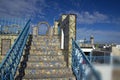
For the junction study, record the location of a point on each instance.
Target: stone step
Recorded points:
(46, 58)
(48, 50)
(46, 37)
(44, 44)
(46, 40)
(45, 47)
(44, 52)
(48, 71)
(46, 77)
(37, 53)
(70, 77)
(46, 64)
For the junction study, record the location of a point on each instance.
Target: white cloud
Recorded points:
(90, 18)
(116, 20)
(21, 8)
(87, 32)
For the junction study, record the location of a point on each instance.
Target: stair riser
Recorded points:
(50, 77)
(44, 44)
(46, 40)
(46, 58)
(45, 64)
(35, 52)
(72, 78)
(48, 71)
(46, 47)
(45, 37)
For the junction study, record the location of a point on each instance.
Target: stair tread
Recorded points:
(48, 71)
(45, 53)
(46, 58)
(42, 54)
(46, 67)
(57, 68)
(61, 67)
(38, 76)
(48, 50)
(34, 56)
(46, 64)
(64, 78)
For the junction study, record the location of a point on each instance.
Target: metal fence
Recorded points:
(109, 60)
(11, 25)
(81, 65)
(10, 63)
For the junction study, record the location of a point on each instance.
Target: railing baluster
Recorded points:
(10, 63)
(82, 68)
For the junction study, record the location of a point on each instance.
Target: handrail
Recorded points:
(11, 61)
(81, 66)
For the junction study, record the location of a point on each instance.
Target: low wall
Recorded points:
(6, 40)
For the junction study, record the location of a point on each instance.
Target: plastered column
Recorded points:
(68, 25)
(72, 34)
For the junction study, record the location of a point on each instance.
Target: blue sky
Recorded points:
(100, 18)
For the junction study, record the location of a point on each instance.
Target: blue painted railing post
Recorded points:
(11, 61)
(81, 66)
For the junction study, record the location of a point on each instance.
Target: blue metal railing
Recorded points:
(12, 25)
(10, 63)
(82, 68)
(100, 59)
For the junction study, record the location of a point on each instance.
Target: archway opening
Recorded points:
(43, 28)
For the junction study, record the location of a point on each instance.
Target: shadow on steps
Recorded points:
(23, 63)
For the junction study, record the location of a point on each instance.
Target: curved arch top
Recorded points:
(47, 25)
(44, 23)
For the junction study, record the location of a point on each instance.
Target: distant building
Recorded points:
(116, 50)
(92, 39)
(87, 45)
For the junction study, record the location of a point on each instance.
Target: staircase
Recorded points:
(44, 60)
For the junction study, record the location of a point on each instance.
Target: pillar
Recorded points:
(35, 31)
(68, 31)
(55, 28)
(72, 34)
